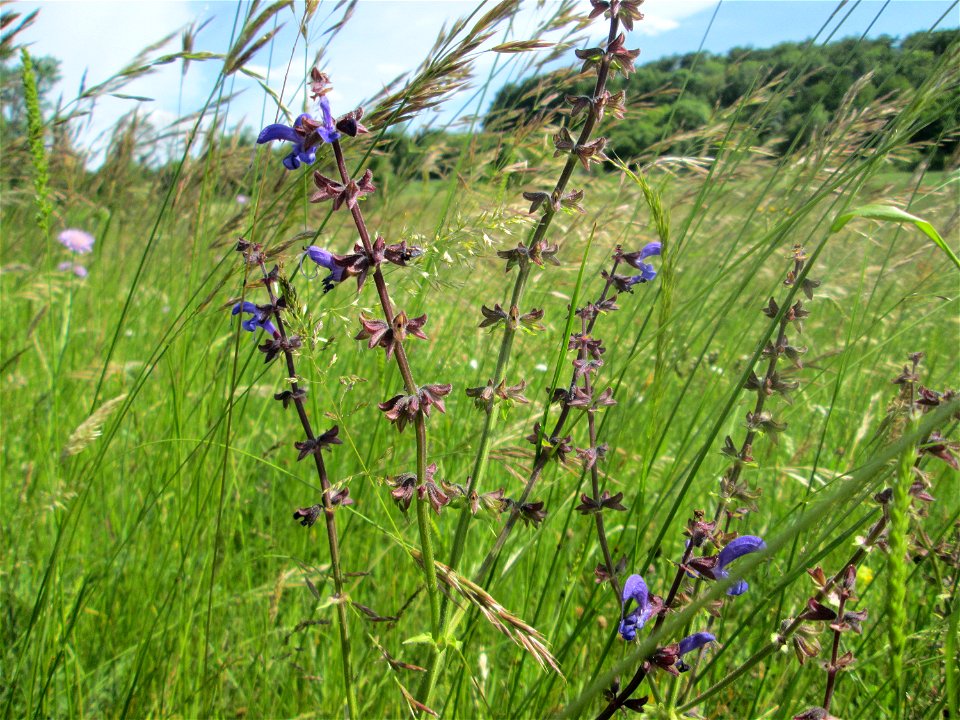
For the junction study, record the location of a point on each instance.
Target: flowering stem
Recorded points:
(506, 343)
(835, 651)
(595, 474)
(730, 480)
(539, 463)
(423, 520)
(794, 625)
(641, 672)
(328, 508)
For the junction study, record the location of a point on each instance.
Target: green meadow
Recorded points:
(150, 564)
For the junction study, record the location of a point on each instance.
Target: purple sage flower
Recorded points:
(297, 134)
(695, 642)
(258, 319)
(647, 271)
(327, 259)
(737, 548)
(635, 591)
(78, 241)
(689, 644)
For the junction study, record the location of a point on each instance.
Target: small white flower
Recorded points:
(541, 367)
(474, 364)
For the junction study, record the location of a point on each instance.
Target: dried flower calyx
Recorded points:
(555, 203)
(329, 189)
(606, 501)
(429, 491)
(559, 446)
(588, 152)
(626, 10)
(279, 344)
(406, 485)
(773, 383)
(349, 124)
(291, 396)
(763, 422)
(532, 513)
(541, 252)
(307, 516)
(528, 321)
(590, 456)
(700, 531)
(485, 396)
(401, 409)
(378, 332)
(252, 252)
(614, 103)
(313, 446)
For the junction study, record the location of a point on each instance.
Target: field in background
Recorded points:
(155, 569)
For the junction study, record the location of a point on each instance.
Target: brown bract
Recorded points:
(313, 446)
(377, 332)
(330, 189)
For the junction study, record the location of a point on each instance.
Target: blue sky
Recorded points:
(392, 36)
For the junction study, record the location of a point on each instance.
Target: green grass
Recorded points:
(158, 571)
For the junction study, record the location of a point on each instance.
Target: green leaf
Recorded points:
(139, 98)
(895, 214)
(421, 639)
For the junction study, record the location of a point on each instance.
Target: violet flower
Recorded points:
(635, 590)
(78, 241)
(258, 319)
(647, 271)
(303, 127)
(695, 642)
(736, 548)
(691, 643)
(327, 259)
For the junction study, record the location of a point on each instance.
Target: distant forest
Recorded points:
(682, 93)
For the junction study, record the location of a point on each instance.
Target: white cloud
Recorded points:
(660, 16)
(97, 39)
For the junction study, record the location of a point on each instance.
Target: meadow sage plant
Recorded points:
(578, 148)
(268, 317)
(759, 421)
(391, 332)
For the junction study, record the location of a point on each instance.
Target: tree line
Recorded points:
(674, 96)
